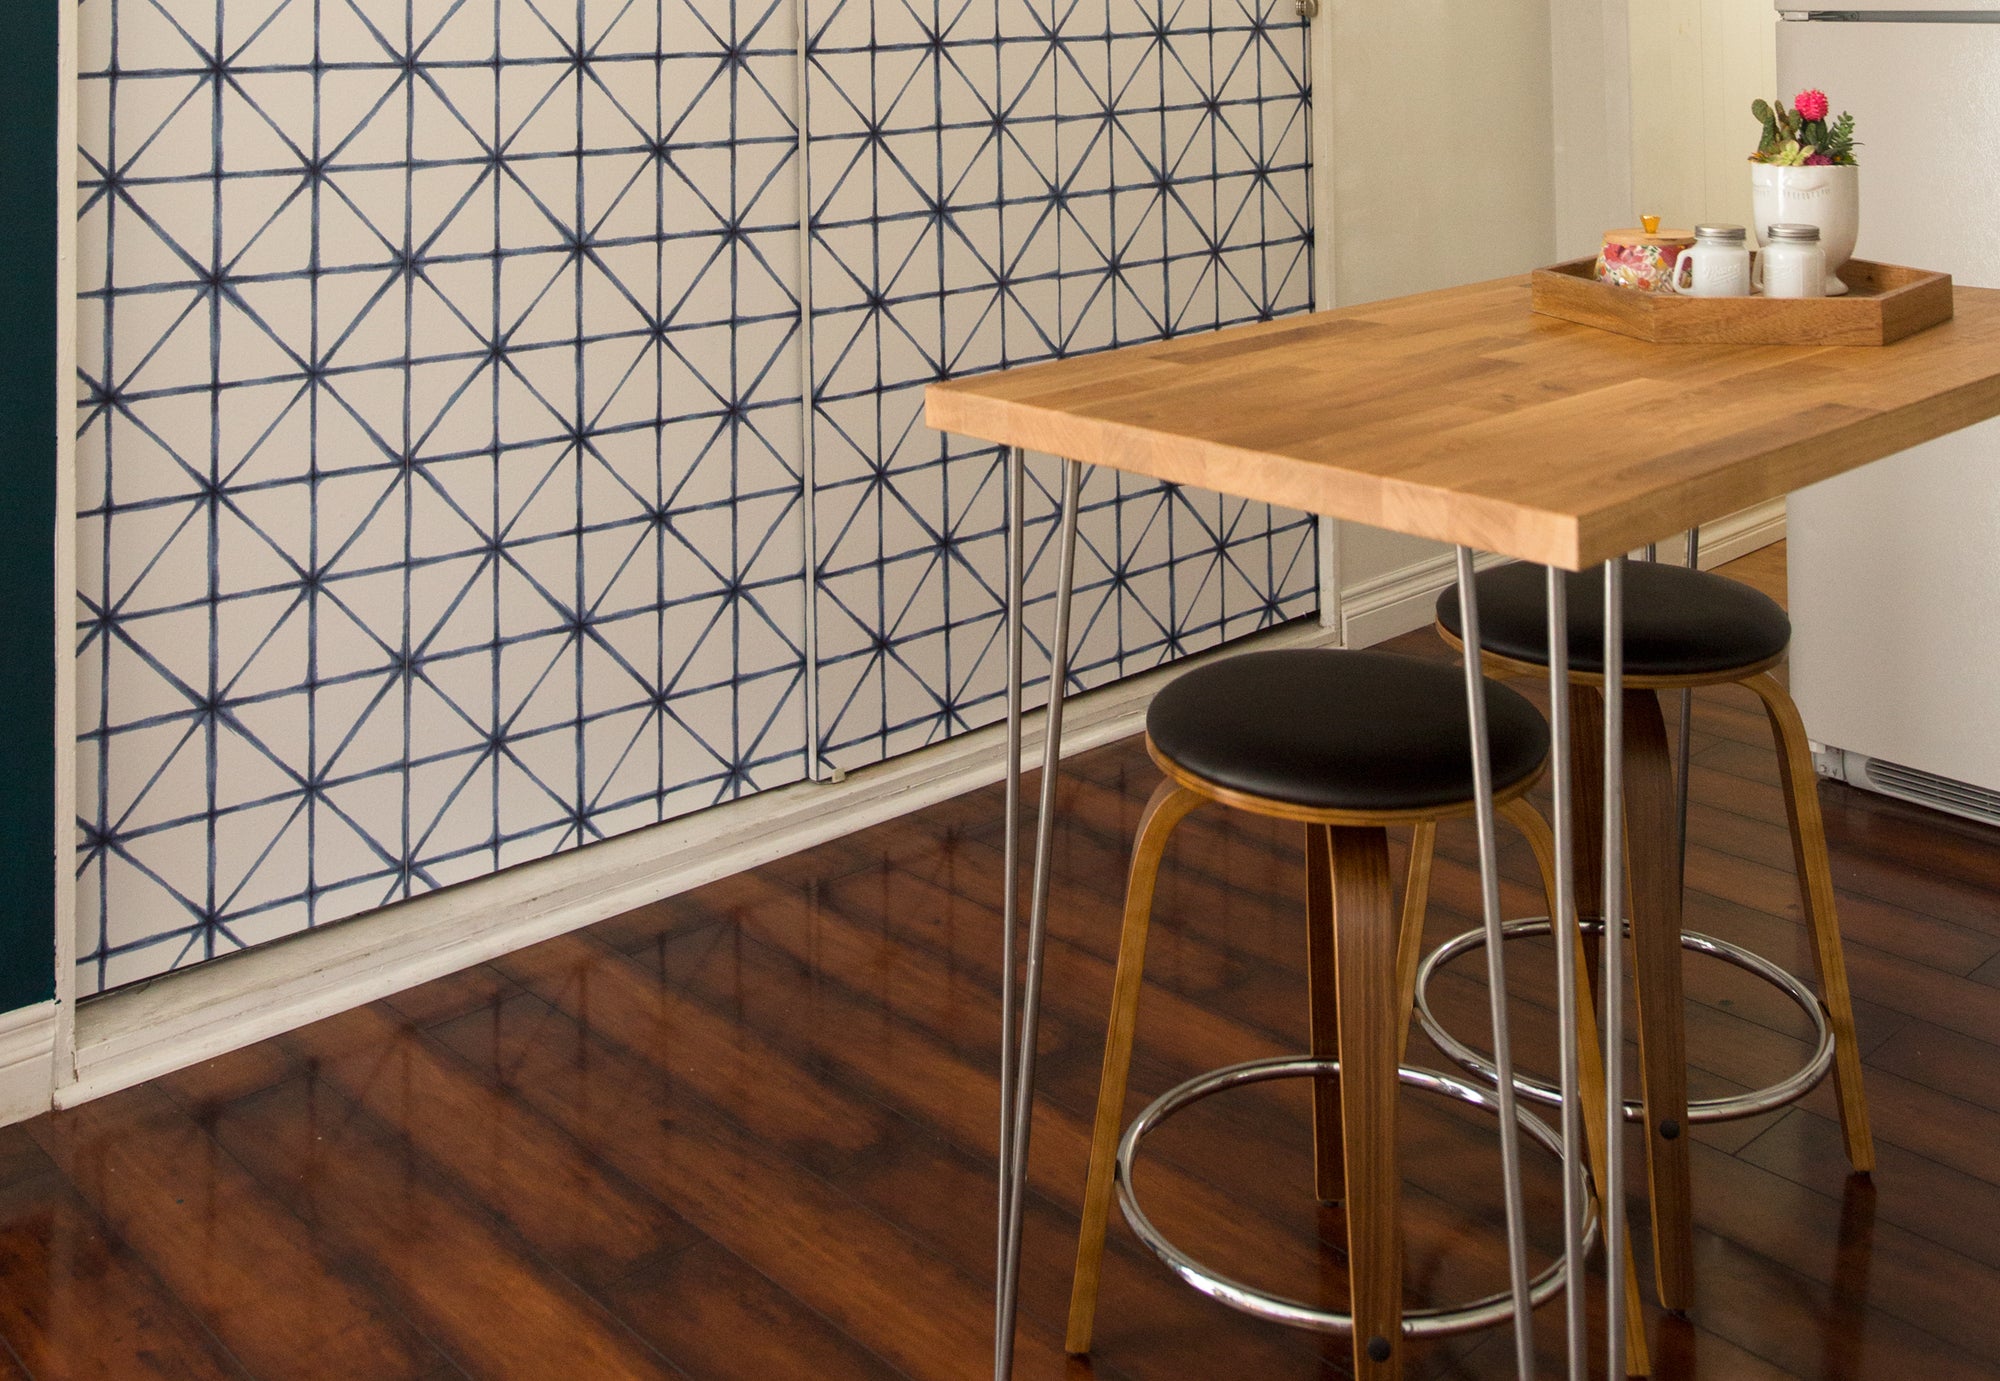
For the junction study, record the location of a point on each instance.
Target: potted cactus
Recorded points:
(1804, 171)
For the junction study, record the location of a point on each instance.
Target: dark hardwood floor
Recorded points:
(748, 1132)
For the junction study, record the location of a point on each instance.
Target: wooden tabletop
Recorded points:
(1463, 416)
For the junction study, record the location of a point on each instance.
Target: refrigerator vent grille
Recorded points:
(1929, 789)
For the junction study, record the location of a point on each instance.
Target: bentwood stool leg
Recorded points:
(1410, 941)
(1586, 747)
(1590, 1077)
(1365, 923)
(1541, 842)
(1590, 1062)
(1654, 884)
(1650, 831)
(1809, 857)
(1169, 805)
(1329, 1176)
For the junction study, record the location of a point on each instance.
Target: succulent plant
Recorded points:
(1788, 139)
(1769, 121)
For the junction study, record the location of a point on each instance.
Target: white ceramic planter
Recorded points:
(1829, 198)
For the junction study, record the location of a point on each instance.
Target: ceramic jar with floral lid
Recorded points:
(1643, 258)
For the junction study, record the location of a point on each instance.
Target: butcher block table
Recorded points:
(1458, 415)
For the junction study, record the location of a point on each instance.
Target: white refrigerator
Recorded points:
(1895, 568)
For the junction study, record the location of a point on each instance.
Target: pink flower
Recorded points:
(1819, 160)
(1811, 105)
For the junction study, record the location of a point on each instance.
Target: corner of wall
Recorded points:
(1591, 78)
(33, 169)
(1399, 601)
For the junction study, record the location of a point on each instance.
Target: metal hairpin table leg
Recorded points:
(1566, 938)
(1682, 753)
(1496, 977)
(1011, 886)
(1613, 987)
(1019, 1092)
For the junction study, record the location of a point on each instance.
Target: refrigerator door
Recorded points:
(1926, 100)
(1895, 602)
(1895, 568)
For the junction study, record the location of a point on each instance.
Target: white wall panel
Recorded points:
(1696, 66)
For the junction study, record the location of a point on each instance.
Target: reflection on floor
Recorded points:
(747, 1132)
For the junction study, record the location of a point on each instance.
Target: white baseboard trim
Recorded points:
(1385, 606)
(27, 1061)
(140, 1033)
(1739, 534)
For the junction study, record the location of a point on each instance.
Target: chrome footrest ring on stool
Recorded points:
(1727, 1109)
(1429, 1322)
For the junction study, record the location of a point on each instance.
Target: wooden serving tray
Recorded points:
(1884, 303)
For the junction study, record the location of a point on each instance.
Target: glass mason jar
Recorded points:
(1791, 263)
(1717, 266)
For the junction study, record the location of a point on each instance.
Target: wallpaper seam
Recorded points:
(488, 444)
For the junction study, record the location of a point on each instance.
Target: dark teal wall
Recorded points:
(28, 212)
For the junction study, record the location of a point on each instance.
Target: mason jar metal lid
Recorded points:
(1792, 230)
(1719, 232)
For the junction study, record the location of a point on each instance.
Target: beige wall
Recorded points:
(1696, 66)
(1441, 165)
(1589, 58)
(1458, 141)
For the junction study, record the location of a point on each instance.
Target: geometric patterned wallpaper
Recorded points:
(1001, 183)
(442, 451)
(441, 486)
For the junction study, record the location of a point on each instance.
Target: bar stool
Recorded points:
(1683, 629)
(1347, 744)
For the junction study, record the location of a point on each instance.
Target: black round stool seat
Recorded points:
(1347, 731)
(1678, 622)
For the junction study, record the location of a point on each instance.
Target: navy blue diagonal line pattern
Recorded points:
(996, 184)
(441, 438)
(438, 413)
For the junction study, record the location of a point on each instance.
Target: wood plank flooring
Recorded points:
(748, 1132)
